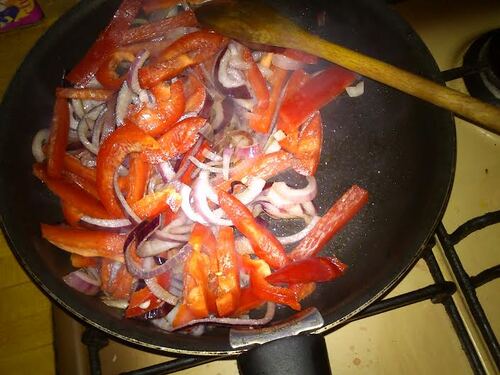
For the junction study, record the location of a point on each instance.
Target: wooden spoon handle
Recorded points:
(463, 105)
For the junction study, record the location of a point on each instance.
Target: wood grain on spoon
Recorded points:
(255, 22)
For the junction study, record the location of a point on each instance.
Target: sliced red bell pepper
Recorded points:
(188, 50)
(88, 243)
(72, 193)
(107, 74)
(73, 165)
(248, 301)
(308, 270)
(83, 93)
(58, 138)
(153, 204)
(183, 316)
(302, 290)
(78, 261)
(170, 104)
(115, 280)
(263, 166)
(83, 183)
(71, 214)
(195, 284)
(142, 301)
(263, 242)
(258, 270)
(123, 141)
(301, 56)
(305, 145)
(260, 120)
(159, 28)
(313, 95)
(260, 92)
(228, 280)
(182, 136)
(298, 79)
(195, 94)
(109, 39)
(137, 177)
(333, 221)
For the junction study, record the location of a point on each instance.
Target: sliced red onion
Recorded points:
(109, 124)
(95, 111)
(255, 186)
(76, 108)
(133, 76)
(106, 223)
(166, 171)
(211, 155)
(299, 235)
(180, 172)
(280, 192)
(309, 208)
(167, 236)
(222, 113)
(200, 186)
(82, 282)
(123, 101)
(271, 309)
(286, 63)
(83, 129)
(279, 213)
(228, 80)
(356, 90)
(39, 140)
(247, 104)
(160, 292)
(123, 202)
(207, 106)
(248, 152)
(226, 162)
(204, 166)
(186, 206)
(182, 229)
(154, 247)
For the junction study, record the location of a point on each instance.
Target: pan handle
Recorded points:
(294, 355)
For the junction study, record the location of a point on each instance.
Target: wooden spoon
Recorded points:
(252, 21)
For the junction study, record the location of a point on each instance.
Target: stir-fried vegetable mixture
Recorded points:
(161, 150)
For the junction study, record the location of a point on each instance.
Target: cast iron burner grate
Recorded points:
(439, 292)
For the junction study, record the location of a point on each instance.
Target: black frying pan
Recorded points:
(399, 148)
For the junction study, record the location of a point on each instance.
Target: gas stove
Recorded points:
(442, 317)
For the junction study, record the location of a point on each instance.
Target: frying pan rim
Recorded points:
(418, 43)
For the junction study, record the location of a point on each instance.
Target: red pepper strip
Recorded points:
(261, 119)
(71, 214)
(301, 56)
(228, 292)
(264, 166)
(69, 192)
(302, 291)
(79, 261)
(159, 28)
(117, 283)
(183, 316)
(182, 136)
(191, 49)
(195, 284)
(88, 243)
(153, 204)
(202, 239)
(333, 221)
(154, 47)
(258, 270)
(305, 145)
(195, 94)
(308, 270)
(186, 177)
(170, 104)
(141, 302)
(74, 165)
(259, 89)
(83, 94)
(107, 42)
(316, 93)
(152, 5)
(123, 141)
(58, 138)
(137, 178)
(107, 74)
(247, 302)
(263, 242)
(298, 79)
(83, 183)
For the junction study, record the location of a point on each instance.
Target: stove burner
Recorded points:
(483, 58)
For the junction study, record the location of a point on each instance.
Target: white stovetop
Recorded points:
(418, 339)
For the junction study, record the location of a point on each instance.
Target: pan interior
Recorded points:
(400, 149)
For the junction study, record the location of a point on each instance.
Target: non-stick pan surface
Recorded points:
(401, 149)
